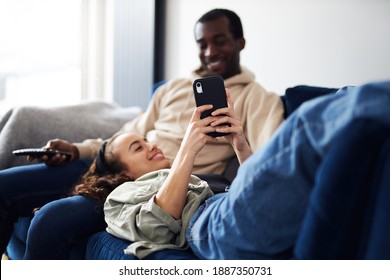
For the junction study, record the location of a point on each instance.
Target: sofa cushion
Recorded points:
(295, 96)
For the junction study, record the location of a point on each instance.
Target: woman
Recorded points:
(128, 158)
(261, 215)
(154, 205)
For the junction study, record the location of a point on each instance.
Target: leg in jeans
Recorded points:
(260, 217)
(62, 224)
(27, 187)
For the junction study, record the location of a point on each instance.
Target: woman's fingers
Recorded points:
(199, 110)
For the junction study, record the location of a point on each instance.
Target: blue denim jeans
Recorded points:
(27, 187)
(260, 216)
(63, 226)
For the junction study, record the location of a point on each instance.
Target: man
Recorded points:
(220, 40)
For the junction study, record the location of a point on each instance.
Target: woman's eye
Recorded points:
(139, 148)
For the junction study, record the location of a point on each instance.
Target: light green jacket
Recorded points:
(132, 214)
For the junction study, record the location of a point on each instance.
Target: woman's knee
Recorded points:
(72, 214)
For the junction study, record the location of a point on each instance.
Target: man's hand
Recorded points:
(58, 159)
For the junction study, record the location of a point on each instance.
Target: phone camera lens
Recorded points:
(198, 86)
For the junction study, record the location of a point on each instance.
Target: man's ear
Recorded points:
(241, 43)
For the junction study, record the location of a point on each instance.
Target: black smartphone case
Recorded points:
(210, 90)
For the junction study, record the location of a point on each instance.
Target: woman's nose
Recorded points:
(152, 146)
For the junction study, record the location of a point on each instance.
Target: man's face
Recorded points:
(219, 52)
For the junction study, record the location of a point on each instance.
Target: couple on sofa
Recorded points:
(259, 217)
(219, 36)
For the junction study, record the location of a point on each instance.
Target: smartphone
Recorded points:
(38, 152)
(210, 90)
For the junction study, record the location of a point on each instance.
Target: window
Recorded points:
(40, 52)
(58, 52)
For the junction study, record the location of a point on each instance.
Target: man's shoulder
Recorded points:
(251, 83)
(245, 78)
(252, 87)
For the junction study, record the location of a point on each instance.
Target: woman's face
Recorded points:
(138, 155)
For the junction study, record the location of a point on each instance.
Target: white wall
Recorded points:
(318, 42)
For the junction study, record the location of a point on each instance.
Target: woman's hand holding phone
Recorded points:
(234, 132)
(211, 91)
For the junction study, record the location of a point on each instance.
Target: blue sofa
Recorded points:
(347, 216)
